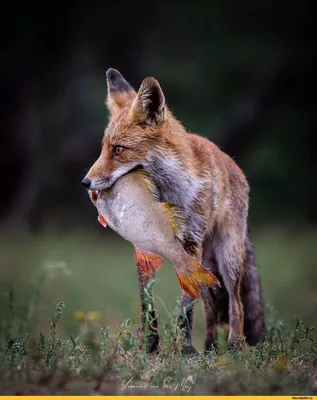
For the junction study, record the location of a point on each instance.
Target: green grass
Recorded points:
(91, 272)
(98, 361)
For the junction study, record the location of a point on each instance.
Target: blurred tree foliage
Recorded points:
(239, 73)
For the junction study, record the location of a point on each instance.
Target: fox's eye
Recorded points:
(117, 150)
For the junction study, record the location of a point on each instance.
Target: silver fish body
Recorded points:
(131, 211)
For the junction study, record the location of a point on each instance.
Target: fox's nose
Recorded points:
(86, 183)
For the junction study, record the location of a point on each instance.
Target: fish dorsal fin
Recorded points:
(149, 184)
(176, 218)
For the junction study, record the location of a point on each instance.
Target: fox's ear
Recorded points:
(149, 104)
(120, 92)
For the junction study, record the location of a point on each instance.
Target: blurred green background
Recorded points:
(238, 73)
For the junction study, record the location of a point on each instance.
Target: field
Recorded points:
(70, 321)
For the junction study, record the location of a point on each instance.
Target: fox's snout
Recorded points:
(86, 183)
(96, 184)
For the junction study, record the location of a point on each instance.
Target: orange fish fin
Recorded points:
(102, 221)
(149, 184)
(176, 218)
(149, 262)
(195, 277)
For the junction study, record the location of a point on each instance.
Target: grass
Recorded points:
(48, 279)
(98, 361)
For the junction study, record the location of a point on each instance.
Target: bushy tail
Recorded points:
(254, 324)
(194, 277)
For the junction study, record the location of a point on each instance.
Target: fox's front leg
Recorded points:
(148, 314)
(186, 319)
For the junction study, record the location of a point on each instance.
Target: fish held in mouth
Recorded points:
(132, 208)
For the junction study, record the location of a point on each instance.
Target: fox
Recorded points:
(213, 193)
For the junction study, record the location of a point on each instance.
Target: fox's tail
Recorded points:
(194, 277)
(254, 322)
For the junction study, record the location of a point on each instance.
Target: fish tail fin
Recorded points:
(149, 262)
(194, 277)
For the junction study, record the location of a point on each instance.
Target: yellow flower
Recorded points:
(93, 315)
(79, 315)
(223, 360)
(281, 363)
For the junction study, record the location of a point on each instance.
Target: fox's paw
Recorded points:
(210, 345)
(153, 344)
(189, 350)
(236, 344)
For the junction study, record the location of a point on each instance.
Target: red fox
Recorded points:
(192, 172)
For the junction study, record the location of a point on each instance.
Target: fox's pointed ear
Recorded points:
(120, 92)
(149, 104)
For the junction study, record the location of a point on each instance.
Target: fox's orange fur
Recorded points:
(207, 184)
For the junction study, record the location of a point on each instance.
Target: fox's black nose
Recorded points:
(86, 183)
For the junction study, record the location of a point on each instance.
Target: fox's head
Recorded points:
(138, 125)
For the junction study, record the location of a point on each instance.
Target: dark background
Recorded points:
(239, 73)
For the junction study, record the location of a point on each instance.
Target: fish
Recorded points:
(132, 207)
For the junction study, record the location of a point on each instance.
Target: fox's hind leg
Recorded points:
(148, 314)
(231, 256)
(215, 307)
(210, 296)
